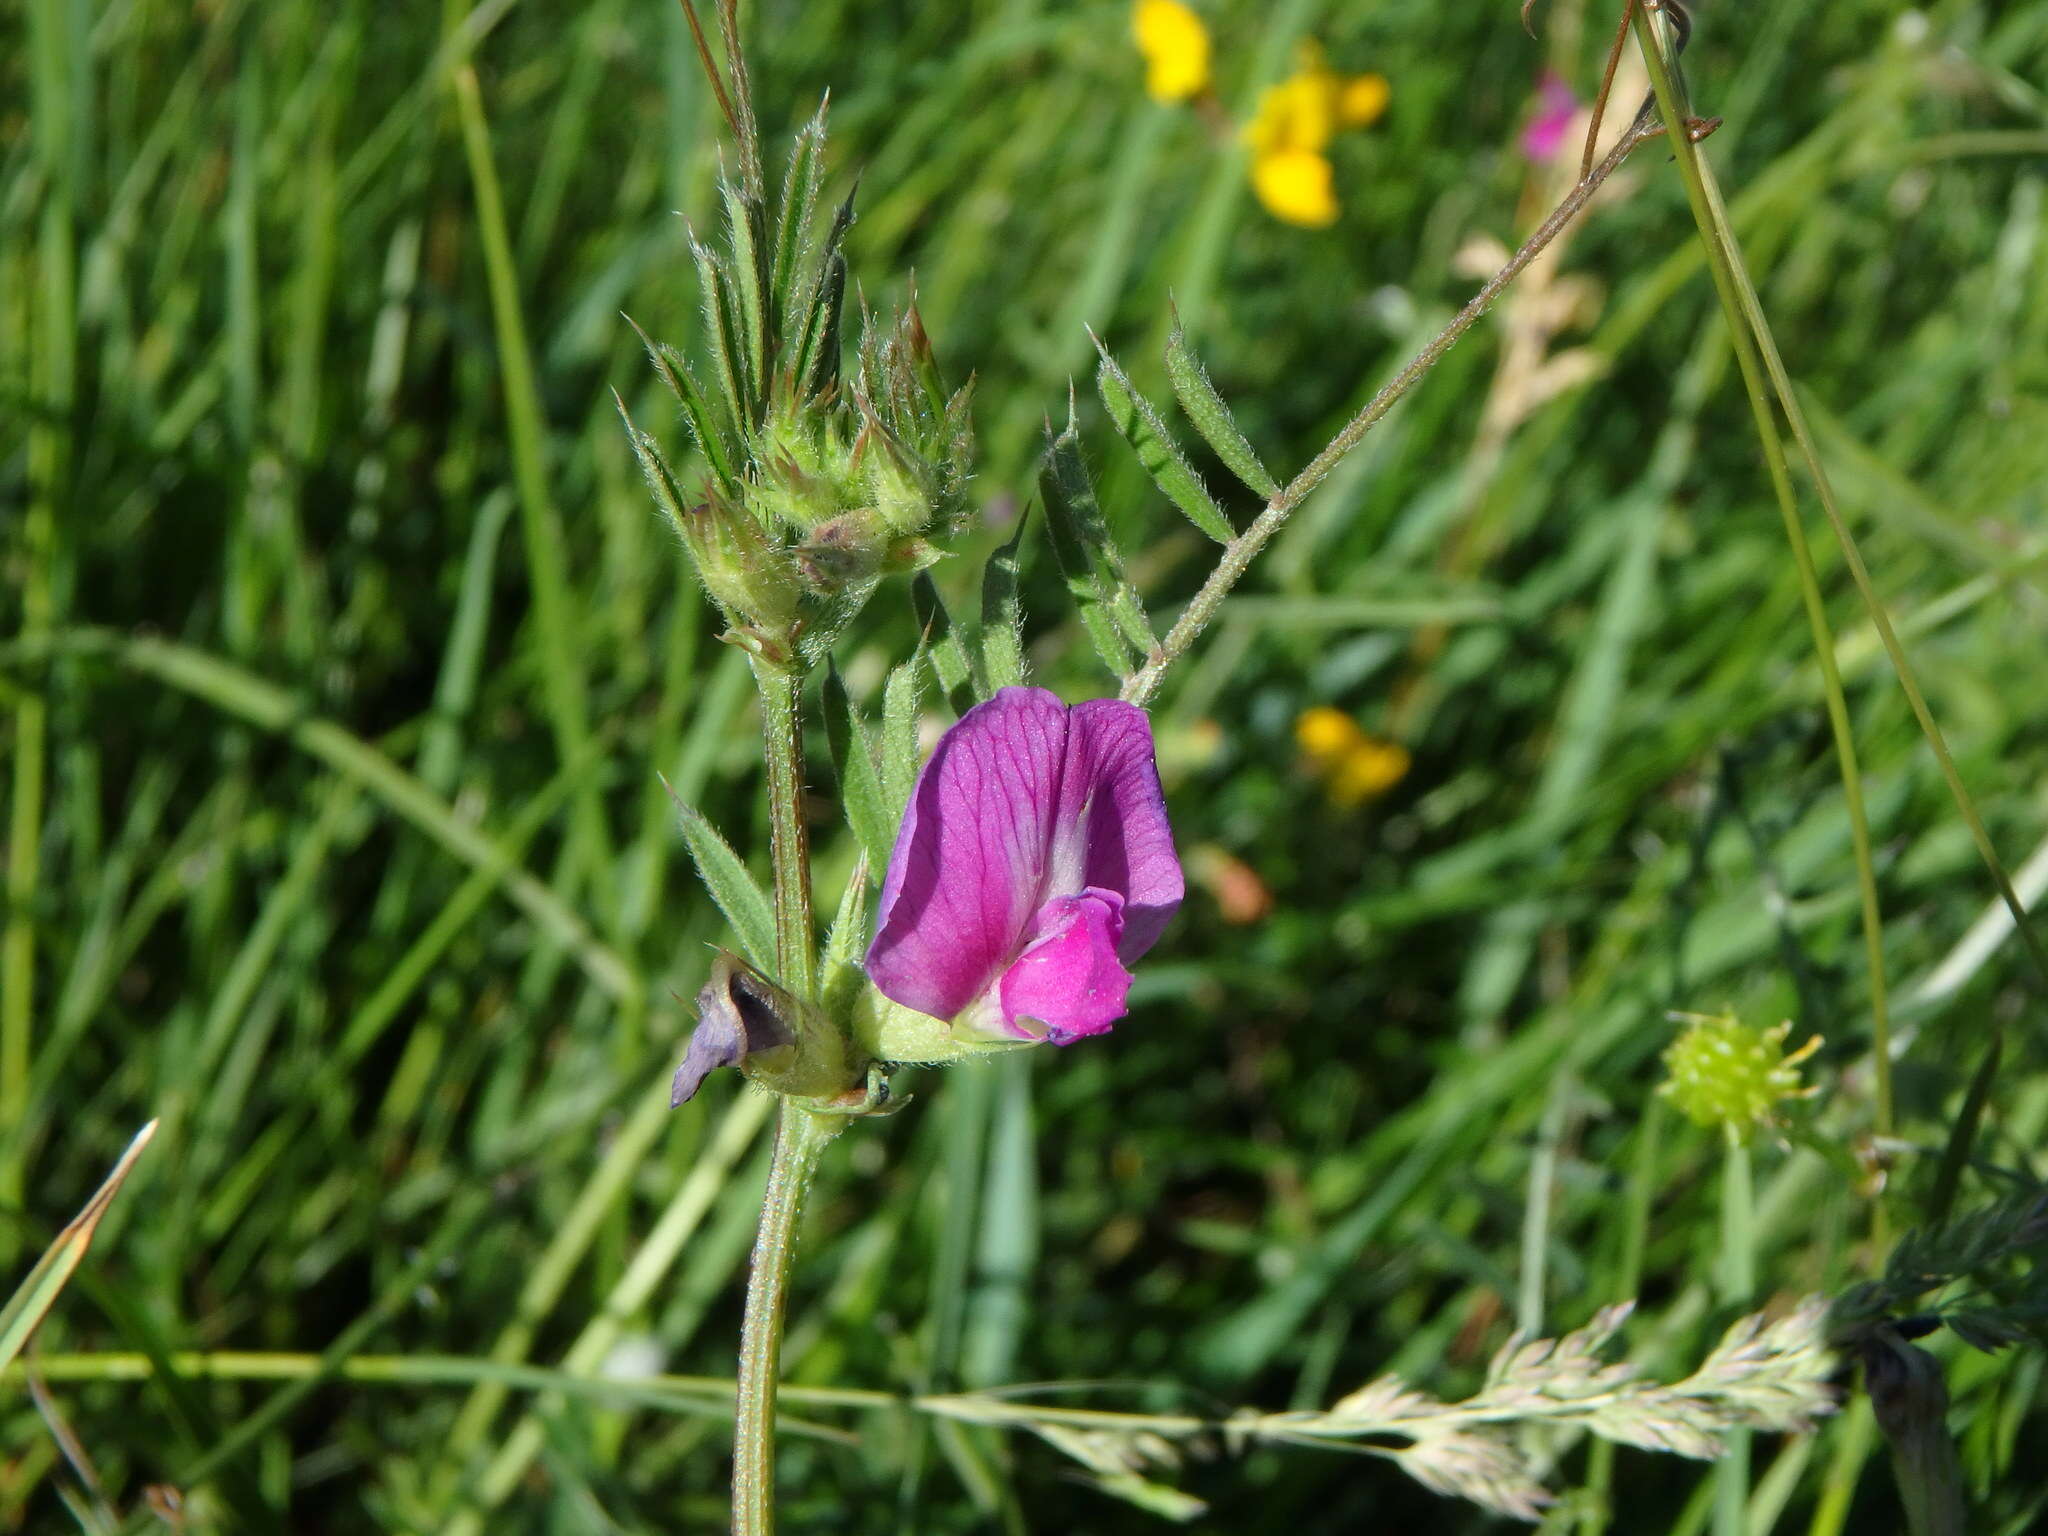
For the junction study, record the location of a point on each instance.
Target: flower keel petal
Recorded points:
(1069, 981)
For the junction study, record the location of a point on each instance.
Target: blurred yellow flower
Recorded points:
(1356, 767)
(1362, 100)
(1294, 124)
(1297, 185)
(1176, 49)
(1300, 113)
(1326, 734)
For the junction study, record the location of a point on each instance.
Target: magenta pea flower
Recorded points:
(1033, 867)
(1556, 107)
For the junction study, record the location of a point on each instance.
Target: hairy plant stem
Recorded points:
(1239, 553)
(800, 1136)
(1692, 170)
(782, 741)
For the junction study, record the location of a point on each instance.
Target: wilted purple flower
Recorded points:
(1556, 106)
(1033, 867)
(739, 1014)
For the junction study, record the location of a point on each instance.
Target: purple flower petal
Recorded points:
(1069, 980)
(1112, 791)
(736, 1018)
(1033, 866)
(970, 859)
(1556, 108)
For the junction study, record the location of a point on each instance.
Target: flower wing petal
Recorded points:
(1069, 980)
(969, 864)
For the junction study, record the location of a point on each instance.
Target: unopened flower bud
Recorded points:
(740, 565)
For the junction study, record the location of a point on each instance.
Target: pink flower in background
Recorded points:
(1556, 107)
(1033, 867)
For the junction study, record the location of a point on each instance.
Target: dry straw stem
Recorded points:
(1764, 1374)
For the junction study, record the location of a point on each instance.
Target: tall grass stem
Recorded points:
(1718, 242)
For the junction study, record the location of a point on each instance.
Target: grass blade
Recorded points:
(36, 1294)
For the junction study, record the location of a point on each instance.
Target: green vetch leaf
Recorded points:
(1088, 558)
(950, 661)
(738, 894)
(720, 336)
(1211, 417)
(844, 942)
(719, 452)
(1000, 635)
(1140, 423)
(661, 480)
(33, 1298)
(747, 225)
(899, 736)
(793, 219)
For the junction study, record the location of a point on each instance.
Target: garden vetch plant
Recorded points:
(1028, 865)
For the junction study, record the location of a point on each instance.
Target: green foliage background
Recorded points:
(344, 647)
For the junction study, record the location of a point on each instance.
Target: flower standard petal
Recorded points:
(968, 871)
(1110, 796)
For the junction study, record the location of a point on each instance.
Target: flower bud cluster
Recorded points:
(821, 480)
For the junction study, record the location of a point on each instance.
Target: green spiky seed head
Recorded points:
(1727, 1073)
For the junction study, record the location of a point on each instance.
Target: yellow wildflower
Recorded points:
(1294, 124)
(1362, 100)
(1357, 767)
(1326, 734)
(1368, 773)
(1300, 113)
(1176, 49)
(1297, 185)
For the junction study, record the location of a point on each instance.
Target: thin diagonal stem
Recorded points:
(1753, 381)
(1606, 87)
(1717, 232)
(1239, 553)
(1757, 354)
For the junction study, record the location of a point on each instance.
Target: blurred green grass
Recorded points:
(344, 649)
